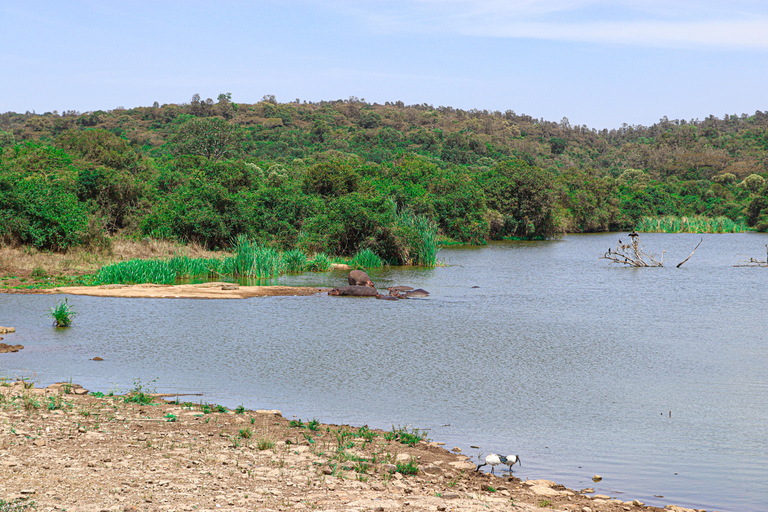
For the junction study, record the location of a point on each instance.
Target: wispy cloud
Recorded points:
(683, 23)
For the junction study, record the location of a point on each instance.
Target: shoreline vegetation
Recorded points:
(64, 447)
(341, 177)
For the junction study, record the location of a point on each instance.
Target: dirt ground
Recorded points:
(215, 290)
(64, 449)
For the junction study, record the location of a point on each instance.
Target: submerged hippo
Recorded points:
(400, 288)
(355, 291)
(359, 278)
(417, 293)
(386, 297)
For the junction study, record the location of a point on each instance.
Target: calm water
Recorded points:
(557, 357)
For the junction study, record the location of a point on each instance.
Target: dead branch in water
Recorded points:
(689, 256)
(752, 262)
(634, 255)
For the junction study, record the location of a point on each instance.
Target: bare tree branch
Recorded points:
(689, 256)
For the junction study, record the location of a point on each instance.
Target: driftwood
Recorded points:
(634, 255)
(752, 262)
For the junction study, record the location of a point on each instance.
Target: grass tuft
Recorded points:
(62, 314)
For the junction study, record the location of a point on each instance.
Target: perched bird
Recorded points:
(620, 240)
(633, 234)
(511, 460)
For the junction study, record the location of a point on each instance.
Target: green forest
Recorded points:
(340, 177)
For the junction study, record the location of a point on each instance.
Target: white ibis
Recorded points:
(511, 460)
(494, 459)
(491, 459)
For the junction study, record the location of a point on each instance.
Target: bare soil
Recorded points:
(215, 290)
(67, 450)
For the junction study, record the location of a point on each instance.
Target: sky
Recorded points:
(599, 63)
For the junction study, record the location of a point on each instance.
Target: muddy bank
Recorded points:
(65, 449)
(215, 290)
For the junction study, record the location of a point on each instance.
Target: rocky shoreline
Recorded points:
(65, 449)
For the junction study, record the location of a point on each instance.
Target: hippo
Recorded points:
(400, 288)
(417, 293)
(386, 297)
(359, 278)
(354, 291)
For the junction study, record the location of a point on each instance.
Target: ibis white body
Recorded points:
(493, 459)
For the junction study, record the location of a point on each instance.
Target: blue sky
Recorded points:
(599, 63)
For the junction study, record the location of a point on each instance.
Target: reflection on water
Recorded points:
(570, 363)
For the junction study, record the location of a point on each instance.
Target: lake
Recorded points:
(653, 378)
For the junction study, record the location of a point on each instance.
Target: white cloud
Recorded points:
(659, 23)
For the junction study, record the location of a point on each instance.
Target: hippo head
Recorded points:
(335, 291)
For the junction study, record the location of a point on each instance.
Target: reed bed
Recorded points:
(422, 237)
(249, 261)
(366, 259)
(693, 224)
(320, 263)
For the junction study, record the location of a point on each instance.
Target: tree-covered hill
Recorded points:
(345, 175)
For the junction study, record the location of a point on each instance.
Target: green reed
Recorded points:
(366, 259)
(320, 263)
(693, 224)
(62, 314)
(295, 261)
(421, 234)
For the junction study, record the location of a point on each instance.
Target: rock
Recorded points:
(230, 287)
(388, 468)
(675, 508)
(543, 483)
(543, 490)
(456, 449)
(638, 503)
(97, 358)
(588, 490)
(462, 465)
(340, 266)
(596, 478)
(4, 330)
(264, 411)
(600, 497)
(586, 509)
(451, 496)
(5, 348)
(433, 470)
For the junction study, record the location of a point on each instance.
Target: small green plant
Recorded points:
(264, 444)
(221, 408)
(30, 402)
(39, 273)
(407, 468)
(140, 394)
(405, 436)
(62, 314)
(54, 403)
(17, 505)
(545, 503)
(170, 417)
(98, 394)
(313, 425)
(240, 409)
(246, 433)
(297, 424)
(206, 409)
